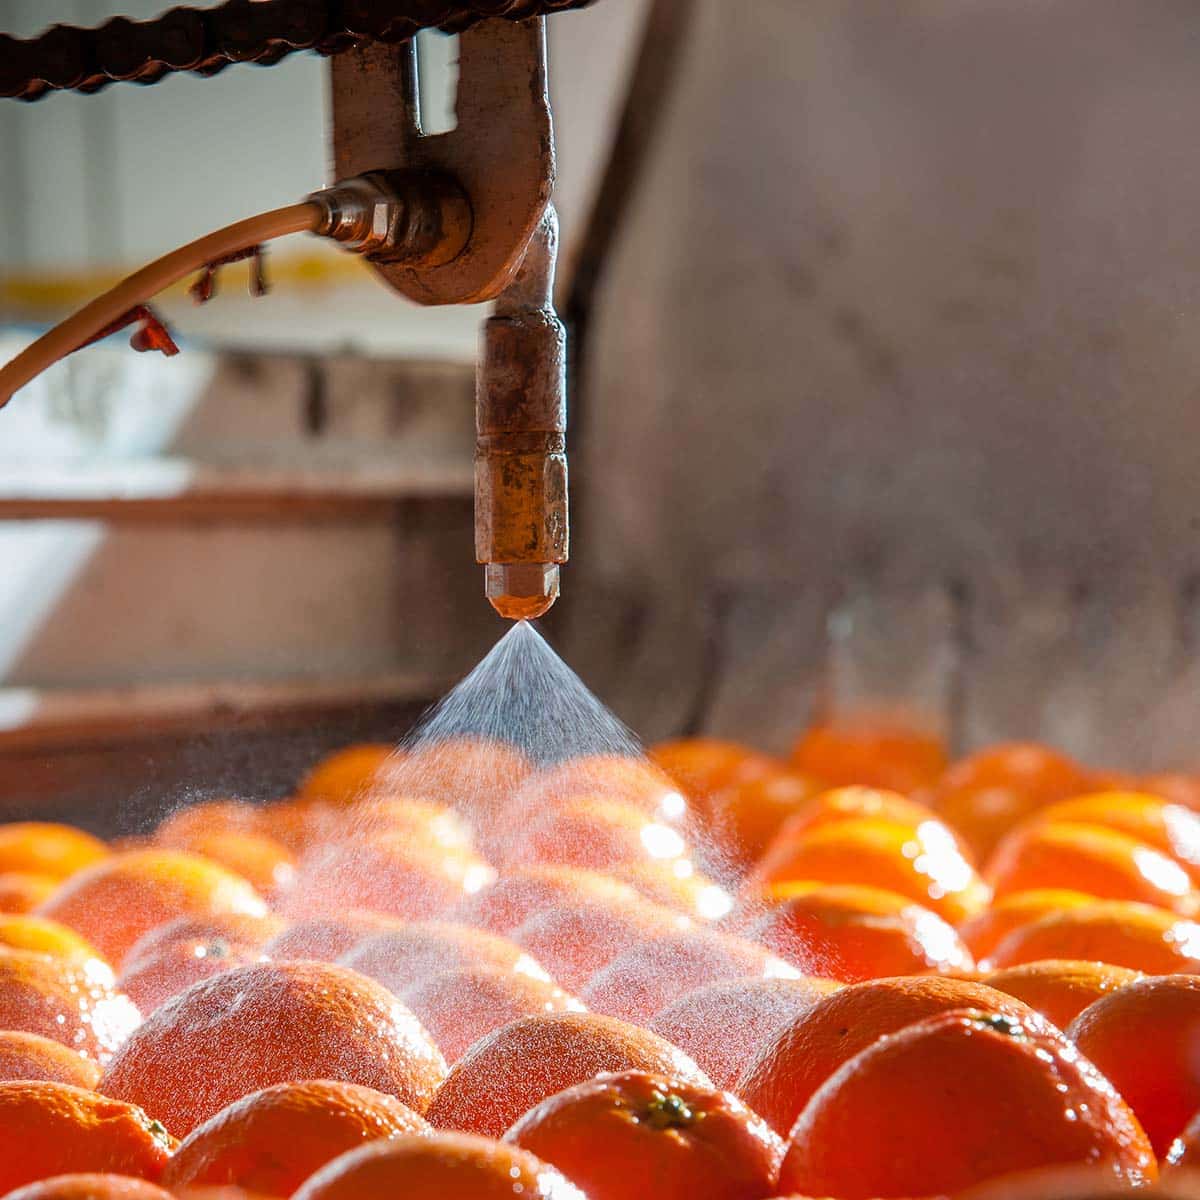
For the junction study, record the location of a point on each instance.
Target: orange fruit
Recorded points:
(1095, 1182)
(156, 976)
(917, 1113)
(476, 775)
(254, 1026)
(677, 885)
(437, 825)
(178, 829)
(518, 894)
(42, 936)
(703, 767)
(874, 751)
(503, 1075)
(1060, 989)
(116, 901)
(23, 891)
(88, 1186)
(848, 932)
(31, 1056)
(722, 1025)
(448, 1166)
(645, 978)
(635, 781)
(1174, 787)
(921, 862)
(326, 939)
(1172, 828)
(1125, 934)
(463, 1004)
(386, 873)
(780, 1080)
(983, 932)
(985, 794)
(418, 949)
(1144, 1038)
(640, 1136)
(1088, 858)
(348, 774)
(53, 1128)
(64, 1001)
(245, 930)
(43, 848)
(266, 864)
(1184, 1152)
(271, 1141)
(597, 833)
(297, 823)
(574, 941)
(741, 818)
(856, 803)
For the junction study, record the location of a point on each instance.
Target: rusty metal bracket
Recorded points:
(501, 154)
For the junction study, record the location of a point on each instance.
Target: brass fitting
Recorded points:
(419, 218)
(520, 449)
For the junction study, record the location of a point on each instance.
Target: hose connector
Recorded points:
(419, 218)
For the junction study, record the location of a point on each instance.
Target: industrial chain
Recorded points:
(205, 41)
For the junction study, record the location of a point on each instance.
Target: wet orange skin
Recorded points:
(983, 932)
(645, 978)
(921, 862)
(30, 1056)
(253, 932)
(1060, 989)
(703, 766)
(677, 885)
(386, 873)
(1088, 858)
(596, 833)
(53, 1129)
(91, 1186)
(506, 1073)
(851, 933)
(255, 1026)
(446, 1166)
(116, 901)
(634, 781)
(180, 828)
(741, 819)
(271, 1141)
(348, 774)
(419, 949)
(1172, 829)
(985, 794)
(640, 1136)
(1138, 936)
(724, 1025)
(1145, 1037)
(953, 1100)
(326, 939)
(23, 931)
(462, 1005)
(574, 941)
(156, 976)
(875, 752)
(24, 891)
(65, 1002)
(789, 1068)
(44, 848)
(266, 864)
(524, 891)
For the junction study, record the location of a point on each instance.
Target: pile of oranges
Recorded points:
(446, 973)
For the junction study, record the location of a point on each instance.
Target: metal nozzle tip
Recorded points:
(521, 591)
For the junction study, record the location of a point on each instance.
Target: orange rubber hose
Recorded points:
(142, 285)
